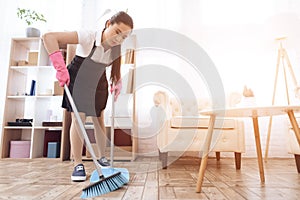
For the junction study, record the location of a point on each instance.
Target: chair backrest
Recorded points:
(184, 107)
(188, 106)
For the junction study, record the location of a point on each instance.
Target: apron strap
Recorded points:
(92, 51)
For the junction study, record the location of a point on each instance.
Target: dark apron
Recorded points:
(88, 85)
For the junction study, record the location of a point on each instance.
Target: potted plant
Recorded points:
(30, 17)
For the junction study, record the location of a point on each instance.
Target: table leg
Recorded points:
(258, 149)
(206, 147)
(294, 124)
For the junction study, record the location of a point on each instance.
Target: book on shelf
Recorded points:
(32, 88)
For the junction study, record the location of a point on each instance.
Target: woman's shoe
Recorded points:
(78, 173)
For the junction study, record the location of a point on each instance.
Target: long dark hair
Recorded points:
(120, 17)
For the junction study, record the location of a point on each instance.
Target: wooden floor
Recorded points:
(50, 179)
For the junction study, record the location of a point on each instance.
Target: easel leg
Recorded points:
(282, 56)
(273, 101)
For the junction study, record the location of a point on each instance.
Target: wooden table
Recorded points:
(254, 113)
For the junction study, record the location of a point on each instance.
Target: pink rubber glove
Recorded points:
(62, 73)
(117, 88)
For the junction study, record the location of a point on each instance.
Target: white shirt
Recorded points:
(86, 39)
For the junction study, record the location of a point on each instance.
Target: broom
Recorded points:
(111, 170)
(105, 184)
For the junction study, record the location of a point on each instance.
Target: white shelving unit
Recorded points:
(19, 104)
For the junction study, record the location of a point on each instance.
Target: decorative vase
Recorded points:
(32, 32)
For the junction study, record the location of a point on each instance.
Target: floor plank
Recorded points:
(50, 179)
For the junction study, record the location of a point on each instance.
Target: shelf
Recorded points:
(28, 42)
(19, 105)
(18, 127)
(108, 126)
(89, 126)
(121, 127)
(21, 97)
(30, 69)
(48, 96)
(34, 97)
(58, 128)
(24, 69)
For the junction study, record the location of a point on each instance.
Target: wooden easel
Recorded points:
(281, 58)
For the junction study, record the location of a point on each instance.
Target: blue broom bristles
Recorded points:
(104, 186)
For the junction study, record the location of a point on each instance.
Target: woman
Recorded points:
(86, 78)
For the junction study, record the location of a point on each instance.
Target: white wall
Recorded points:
(240, 38)
(59, 16)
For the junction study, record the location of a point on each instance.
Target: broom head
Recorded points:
(104, 185)
(108, 172)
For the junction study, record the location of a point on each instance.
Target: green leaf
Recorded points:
(30, 16)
